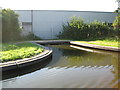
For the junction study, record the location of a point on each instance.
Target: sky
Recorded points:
(77, 5)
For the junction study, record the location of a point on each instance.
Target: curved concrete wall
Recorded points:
(47, 24)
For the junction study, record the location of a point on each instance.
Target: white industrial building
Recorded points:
(48, 23)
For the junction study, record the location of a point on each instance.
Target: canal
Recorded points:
(70, 67)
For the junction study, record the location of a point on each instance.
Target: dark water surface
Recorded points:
(70, 67)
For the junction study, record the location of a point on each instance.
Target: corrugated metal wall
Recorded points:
(47, 24)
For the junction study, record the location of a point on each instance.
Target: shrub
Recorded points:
(30, 36)
(116, 22)
(76, 29)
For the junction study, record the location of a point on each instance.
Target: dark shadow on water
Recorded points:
(25, 70)
(82, 68)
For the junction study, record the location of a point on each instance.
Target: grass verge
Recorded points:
(111, 43)
(11, 52)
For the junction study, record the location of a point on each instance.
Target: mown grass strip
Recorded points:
(12, 52)
(102, 43)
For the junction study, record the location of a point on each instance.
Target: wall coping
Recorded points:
(67, 11)
(26, 61)
(48, 52)
(107, 48)
(93, 46)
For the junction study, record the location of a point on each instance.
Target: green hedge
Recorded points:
(77, 29)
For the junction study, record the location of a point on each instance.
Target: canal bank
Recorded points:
(92, 46)
(71, 68)
(69, 42)
(24, 62)
(21, 63)
(48, 53)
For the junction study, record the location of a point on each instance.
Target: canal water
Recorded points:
(70, 67)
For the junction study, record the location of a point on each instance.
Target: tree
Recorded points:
(116, 22)
(10, 25)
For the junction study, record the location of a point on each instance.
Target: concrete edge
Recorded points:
(27, 61)
(48, 52)
(51, 42)
(92, 46)
(106, 48)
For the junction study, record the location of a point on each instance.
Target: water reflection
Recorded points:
(88, 58)
(74, 57)
(26, 70)
(72, 68)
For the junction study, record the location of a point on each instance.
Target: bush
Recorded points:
(116, 22)
(76, 29)
(10, 25)
(30, 36)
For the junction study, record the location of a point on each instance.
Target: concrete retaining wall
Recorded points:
(107, 48)
(48, 52)
(27, 61)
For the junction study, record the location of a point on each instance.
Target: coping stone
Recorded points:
(108, 48)
(27, 61)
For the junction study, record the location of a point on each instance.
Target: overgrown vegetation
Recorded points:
(77, 29)
(11, 52)
(10, 25)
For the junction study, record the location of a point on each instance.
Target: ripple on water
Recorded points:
(71, 68)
